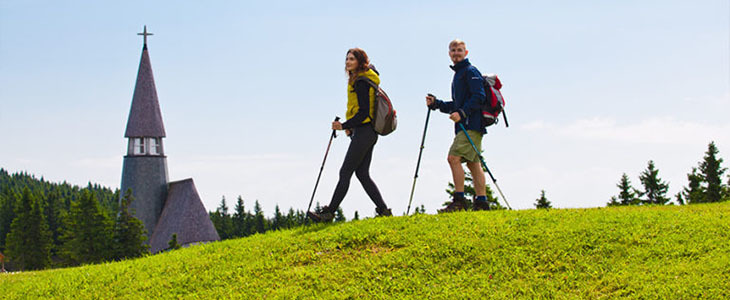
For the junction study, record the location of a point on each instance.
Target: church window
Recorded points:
(155, 146)
(139, 146)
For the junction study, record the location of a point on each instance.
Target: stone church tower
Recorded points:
(144, 171)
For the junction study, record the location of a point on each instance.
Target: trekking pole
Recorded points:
(418, 164)
(333, 135)
(484, 165)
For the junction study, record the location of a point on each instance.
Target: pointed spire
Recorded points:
(145, 118)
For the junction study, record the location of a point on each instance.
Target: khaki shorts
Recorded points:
(462, 148)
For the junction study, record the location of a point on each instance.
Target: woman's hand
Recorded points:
(348, 132)
(336, 125)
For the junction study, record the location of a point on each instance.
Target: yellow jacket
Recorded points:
(353, 107)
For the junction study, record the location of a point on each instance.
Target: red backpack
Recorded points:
(494, 102)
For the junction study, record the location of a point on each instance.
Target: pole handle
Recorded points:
(334, 132)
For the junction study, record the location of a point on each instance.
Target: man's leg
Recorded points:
(477, 175)
(458, 202)
(457, 172)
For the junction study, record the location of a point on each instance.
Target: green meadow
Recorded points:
(647, 252)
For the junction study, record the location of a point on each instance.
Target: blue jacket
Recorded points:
(467, 93)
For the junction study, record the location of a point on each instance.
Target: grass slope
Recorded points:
(634, 252)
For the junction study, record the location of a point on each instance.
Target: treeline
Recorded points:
(241, 222)
(45, 225)
(705, 184)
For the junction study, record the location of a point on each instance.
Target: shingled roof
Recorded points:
(145, 118)
(184, 215)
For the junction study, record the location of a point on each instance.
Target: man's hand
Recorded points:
(430, 99)
(455, 117)
(336, 125)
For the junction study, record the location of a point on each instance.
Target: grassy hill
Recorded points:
(679, 252)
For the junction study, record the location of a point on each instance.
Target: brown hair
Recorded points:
(363, 63)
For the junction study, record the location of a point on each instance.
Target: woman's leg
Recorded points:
(359, 145)
(363, 174)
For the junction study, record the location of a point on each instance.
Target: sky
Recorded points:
(594, 89)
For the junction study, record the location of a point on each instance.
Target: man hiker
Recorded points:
(467, 94)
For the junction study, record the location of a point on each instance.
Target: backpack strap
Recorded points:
(370, 82)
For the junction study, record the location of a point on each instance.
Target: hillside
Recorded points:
(676, 252)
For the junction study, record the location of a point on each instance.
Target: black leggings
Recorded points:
(357, 160)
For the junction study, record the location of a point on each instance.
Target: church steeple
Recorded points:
(145, 129)
(145, 166)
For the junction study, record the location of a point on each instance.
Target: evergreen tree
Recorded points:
(542, 202)
(239, 219)
(29, 241)
(222, 221)
(655, 189)
(259, 219)
(712, 174)
(356, 217)
(694, 192)
(291, 218)
(627, 194)
(54, 214)
(340, 215)
(129, 232)
(173, 244)
(7, 215)
(89, 232)
(278, 221)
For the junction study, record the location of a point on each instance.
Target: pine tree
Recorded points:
(239, 219)
(542, 202)
(356, 217)
(278, 221)
(173, 244)
(655, 189)
(29, 241)
(340, 215)
(129, 232)
(54, 214)
(7, 215)
(694, 192)
(259, 219)
(711, 172)
(222, 220)
(89, 232)
(627, 194)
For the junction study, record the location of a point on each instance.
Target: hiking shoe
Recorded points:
(480, 205)
(459, 203)
(385, 212)
(321, 216)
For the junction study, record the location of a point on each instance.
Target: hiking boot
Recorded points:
(479, 205)
(385, 212)
(459, 203)
(321, 216)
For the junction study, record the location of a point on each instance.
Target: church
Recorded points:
(165, 207)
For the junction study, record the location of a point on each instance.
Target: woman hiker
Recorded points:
(360, 109)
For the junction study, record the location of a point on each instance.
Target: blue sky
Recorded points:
(247, 91)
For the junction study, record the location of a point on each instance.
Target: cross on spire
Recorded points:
(145, 34)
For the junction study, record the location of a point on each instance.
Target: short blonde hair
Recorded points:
(457, 42)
